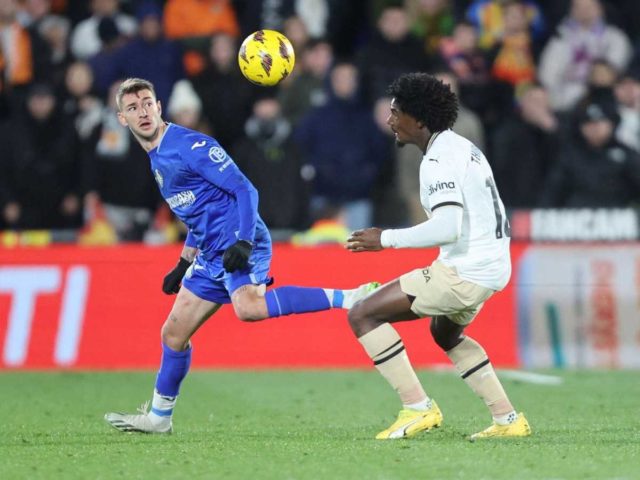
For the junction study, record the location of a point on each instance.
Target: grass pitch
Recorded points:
(312, 425)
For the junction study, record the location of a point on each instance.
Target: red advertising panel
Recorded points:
(74, 307)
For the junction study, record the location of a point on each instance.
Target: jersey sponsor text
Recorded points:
(182, 199)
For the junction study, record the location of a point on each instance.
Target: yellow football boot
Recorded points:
(519, 428)
(412, 422)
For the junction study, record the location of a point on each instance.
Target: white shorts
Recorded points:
(438, 290)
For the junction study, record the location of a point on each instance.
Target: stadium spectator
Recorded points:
(315, 15)
(389, 207)
(39, 160)
(49, 35)
(431, 20)
(328, 228)
(467, 124)
(253, 16)
(194, 21)
(299, 20)
(16, 54)
(524, 147)
(5, 107)
(599, 88)
(79, 100)
(514, 54)
(270, 159)
(225, 112)
(307, 87)
(105, 63)
(185, 107)
(583, 37)
(296, 31)
(627, 94)
(116, 174)
(341, 141)
(488, 16)
(85, 38)
(461, 54)
(478, 91)
(347, 26)
(151, 55)
(392, 50)
(593, 169)
(582, 63)
(408, 169)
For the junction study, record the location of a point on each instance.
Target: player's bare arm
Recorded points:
(189, 253)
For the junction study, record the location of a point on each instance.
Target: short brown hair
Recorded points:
(133, 85)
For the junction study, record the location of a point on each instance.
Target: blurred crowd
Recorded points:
(548, 89)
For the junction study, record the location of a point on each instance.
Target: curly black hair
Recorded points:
(426, 99)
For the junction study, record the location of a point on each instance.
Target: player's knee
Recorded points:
(359, 319)
(249, 311)
(171, 336)
(445, 338)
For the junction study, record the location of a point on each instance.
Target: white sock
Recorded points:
(425, 404)
(507, 419)
(161, 409)
(329, 293)
(347, 298)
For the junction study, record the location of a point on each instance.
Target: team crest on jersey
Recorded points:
(158, 176)
(217, 154)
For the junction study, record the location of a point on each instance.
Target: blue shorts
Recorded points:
(208, 279)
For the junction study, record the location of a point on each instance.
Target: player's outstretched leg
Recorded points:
(288, 300)
(350, 297)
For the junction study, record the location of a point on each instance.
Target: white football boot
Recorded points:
(352, 296)
(138, 422)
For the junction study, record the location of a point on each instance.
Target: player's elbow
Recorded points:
(454, 233)
(450, 232)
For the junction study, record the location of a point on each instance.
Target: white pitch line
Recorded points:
(530, 377)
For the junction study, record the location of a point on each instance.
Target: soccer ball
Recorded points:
(266, 57)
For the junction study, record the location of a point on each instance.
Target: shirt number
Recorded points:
(503, 229)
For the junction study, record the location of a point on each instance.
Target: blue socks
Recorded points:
(173, 369)
(287, 300)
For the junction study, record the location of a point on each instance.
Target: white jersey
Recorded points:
(455, 172)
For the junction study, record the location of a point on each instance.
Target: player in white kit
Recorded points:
(467, 220)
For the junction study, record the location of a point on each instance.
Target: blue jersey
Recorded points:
(207, 191)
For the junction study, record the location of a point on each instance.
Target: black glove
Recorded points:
(171, 282)
(236, 257)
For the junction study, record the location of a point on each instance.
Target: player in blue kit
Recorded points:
(226, 255)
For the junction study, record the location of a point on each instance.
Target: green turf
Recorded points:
(312, 425)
